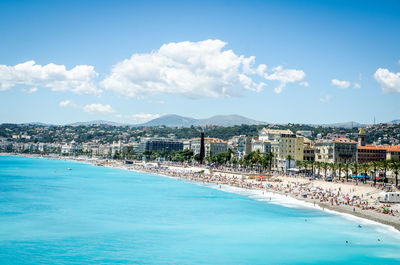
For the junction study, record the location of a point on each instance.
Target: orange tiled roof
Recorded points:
(372, 147)
(393, 148)
(344, 140)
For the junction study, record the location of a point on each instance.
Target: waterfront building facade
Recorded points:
(334, 151)
(212, 146)
(159, 144)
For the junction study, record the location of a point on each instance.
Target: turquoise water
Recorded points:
(96, 215)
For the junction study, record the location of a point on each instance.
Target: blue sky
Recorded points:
(325, 61)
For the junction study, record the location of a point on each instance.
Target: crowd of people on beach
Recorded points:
(308, 190)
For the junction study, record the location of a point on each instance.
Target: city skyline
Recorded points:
(278, 62)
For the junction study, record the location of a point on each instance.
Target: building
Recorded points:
(159, 144)
(241, 145)
(212, 146)
(272, 134)
(393, 152)
(362, 137)
(285, 146)
(260, 146)
(337, 150)
(309, 150)
(368, 153)
(304, 133)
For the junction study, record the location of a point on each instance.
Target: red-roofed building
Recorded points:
(369, 153)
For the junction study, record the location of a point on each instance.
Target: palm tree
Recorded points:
(374, 166)
(340, 166)
(325, 166)
(318, 165)
(384, 164)
(234, 162)
(332, 167)
(264, 162)
(395, 167)
(346, 168)
(300, 164)
(354, 168)
(270, 156)
(289, 158)
(364, 168)
(312, 163)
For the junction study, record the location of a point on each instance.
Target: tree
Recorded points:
(332, 167)
(318, 165)
(354, 168)
(384, 164)
(270, 157)
(374, 167)
(234, 161)
(289, 158)
(364, 167)
(325, 167)
(264, 161)
(395, 167)
(340, 166)
(312, 163)
(346, 167)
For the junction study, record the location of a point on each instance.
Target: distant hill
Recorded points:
(97, 122)
(229, 120)
(37, 123)
(173, 120)
(395, 121)
(346, 125)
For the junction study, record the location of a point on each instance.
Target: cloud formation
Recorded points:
(193, 69)
(285, 76)
(325, 98)
(340, 84)
(142, 117)
(390, 82)
(98, 109)
(80, 79)
(95, 108)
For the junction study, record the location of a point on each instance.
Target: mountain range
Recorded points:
(172, 120)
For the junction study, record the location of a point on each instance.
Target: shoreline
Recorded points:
(347, 211)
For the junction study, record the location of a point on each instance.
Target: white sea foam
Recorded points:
(290, 202)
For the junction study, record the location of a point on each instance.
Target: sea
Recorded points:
(67, 212)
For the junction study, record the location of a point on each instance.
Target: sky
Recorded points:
(131, 61)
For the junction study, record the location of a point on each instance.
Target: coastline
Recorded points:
(365, 216)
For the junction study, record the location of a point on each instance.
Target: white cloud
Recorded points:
(95, 108)
(284, 76)
(142, 117)
(32, 90)
(98, 109)
(325, 98)
(390, 82)
(304, 83)
(340, 84)
(80, 79)
(65, 103)
(192, 69)
(356, 85)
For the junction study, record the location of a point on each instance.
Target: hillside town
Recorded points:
(274, 149)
